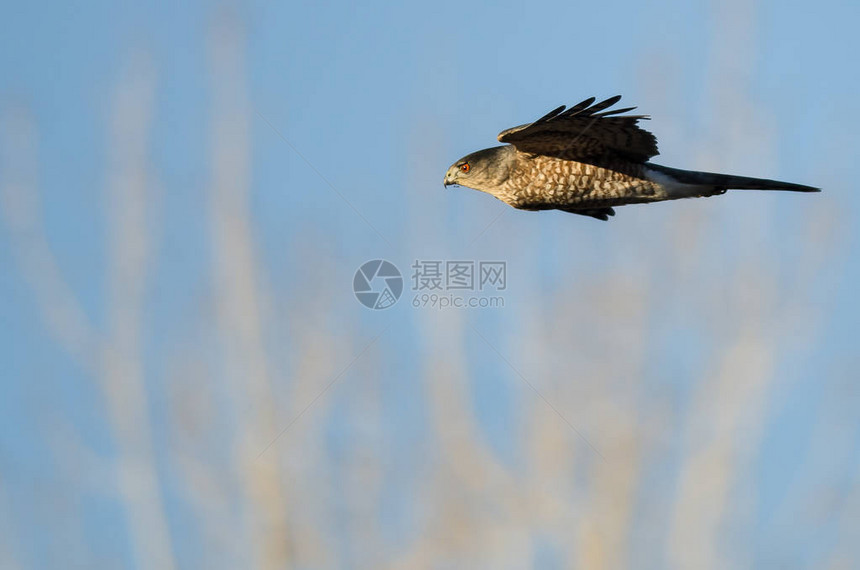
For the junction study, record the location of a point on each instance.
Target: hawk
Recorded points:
(586, 160)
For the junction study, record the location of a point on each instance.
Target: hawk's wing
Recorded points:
(585, 131)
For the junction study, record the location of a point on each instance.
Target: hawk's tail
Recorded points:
(717, 183)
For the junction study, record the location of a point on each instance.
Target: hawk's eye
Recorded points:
(465, 167)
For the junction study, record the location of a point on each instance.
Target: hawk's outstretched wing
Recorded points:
(585, 131)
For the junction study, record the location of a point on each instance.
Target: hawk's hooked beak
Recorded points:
(450, 177)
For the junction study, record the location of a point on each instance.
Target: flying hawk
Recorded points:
(585, 160)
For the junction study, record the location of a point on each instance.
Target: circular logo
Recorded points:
(377, 284)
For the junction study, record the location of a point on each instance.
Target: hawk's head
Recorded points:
(484, 170)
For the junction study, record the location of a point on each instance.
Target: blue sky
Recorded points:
(370, 104)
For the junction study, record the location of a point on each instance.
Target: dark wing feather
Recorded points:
(597, 213)
(585, 133)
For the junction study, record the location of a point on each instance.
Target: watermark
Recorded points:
(436, 284)
(377, 284)
(451, 301)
